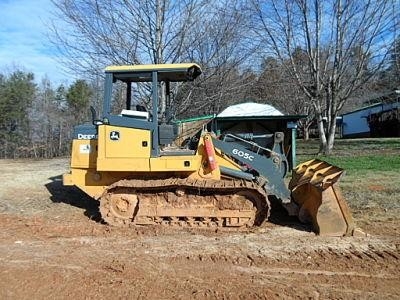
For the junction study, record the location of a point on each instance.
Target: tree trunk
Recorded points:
(322, 135)
(159, 57)
(331, 135)
(306, 133)
(306, 130)
(34, 150)
(59, 139)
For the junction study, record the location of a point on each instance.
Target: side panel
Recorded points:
(122, 142)
(123, 149)
(175, 163)
(84, 154)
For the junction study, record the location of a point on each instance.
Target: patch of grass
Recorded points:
(356, 154)
(365, 162)
(352, 147)
(371, 184)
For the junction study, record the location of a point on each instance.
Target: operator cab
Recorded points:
(135, 87)
(138, 84)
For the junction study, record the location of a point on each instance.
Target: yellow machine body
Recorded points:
(128, 162)
(97, 163)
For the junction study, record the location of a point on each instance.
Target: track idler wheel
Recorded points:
(314, 189)
(118, 208)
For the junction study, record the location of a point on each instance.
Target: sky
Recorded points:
(23, 40)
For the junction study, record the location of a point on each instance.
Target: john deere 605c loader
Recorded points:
(127, 160)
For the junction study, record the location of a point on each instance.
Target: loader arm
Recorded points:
(270, 170)
(313, 195)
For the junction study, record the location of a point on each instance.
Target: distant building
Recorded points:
(381, 119)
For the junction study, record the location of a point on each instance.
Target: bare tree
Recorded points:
(277, 87)
(92, 34)
(345, 43)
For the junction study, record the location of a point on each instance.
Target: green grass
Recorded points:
(366, 162)
(356, 154)
(371, 184)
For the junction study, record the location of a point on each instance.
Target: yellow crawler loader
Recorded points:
(128, 161)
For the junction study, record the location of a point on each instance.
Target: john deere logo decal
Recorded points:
(114, 135)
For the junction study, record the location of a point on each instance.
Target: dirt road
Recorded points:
(53, 245)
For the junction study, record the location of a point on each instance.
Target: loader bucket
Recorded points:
(314, 189)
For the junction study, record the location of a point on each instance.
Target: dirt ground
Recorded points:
(53, 245)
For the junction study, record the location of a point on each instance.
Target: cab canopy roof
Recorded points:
(166, 72)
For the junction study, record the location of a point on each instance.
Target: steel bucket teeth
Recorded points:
(314, 189)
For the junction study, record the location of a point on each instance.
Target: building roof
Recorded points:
(249, 109)
(392, 98)
(362, 108)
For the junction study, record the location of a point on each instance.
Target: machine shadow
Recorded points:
(279, 216)
(73, 196)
